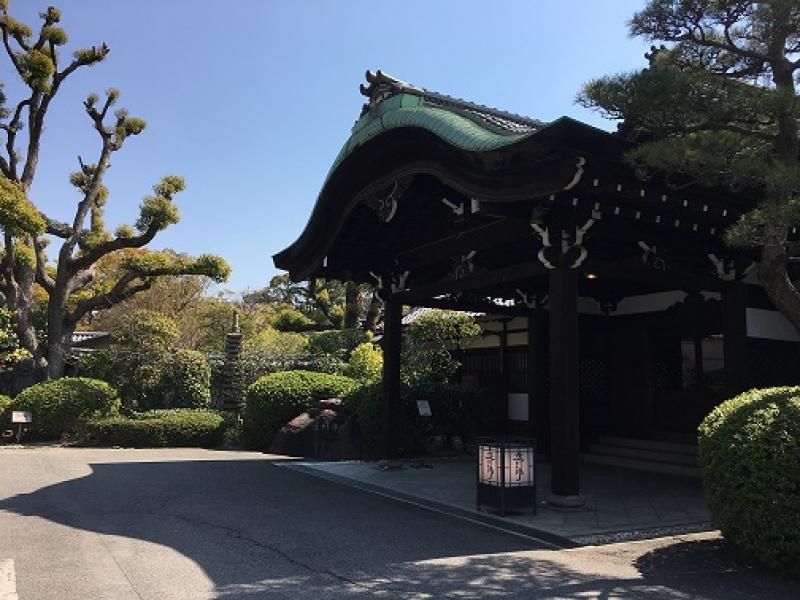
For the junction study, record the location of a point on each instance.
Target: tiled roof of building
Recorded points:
(381, 86)
(395, 104)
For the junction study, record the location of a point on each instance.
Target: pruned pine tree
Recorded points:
(36, 59)
(718, 105)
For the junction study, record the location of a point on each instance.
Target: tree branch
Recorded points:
(704, 41)
(88, 57)
(91, 256)
(10, 51)
(89, 196)
(122, 290)
(58, 229)
(11, 135)
(42, 278)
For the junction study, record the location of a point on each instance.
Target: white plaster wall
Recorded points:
(761, 323)
(518, 407)
(770, 325)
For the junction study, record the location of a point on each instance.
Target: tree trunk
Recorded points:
(59, 330)
(58, 350)
(774, 277)
(772, 270)
(351, 308)
(373, 313)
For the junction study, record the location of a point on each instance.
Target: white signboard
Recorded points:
(424, 408)
(19, 416)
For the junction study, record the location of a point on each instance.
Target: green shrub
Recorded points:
(291, 319)
(61, 405)
(281, 345)
(186, 382)
(365, 403)
(275, 399)
(157, 428)
(454, 412)
(5, 409)
(427, 353)
(750, 459)
(366, 363)
(151, 379)
(337, 342)
(137, 360)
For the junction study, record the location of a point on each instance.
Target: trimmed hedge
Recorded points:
(750, 458)
(62, 405)
(157, 429)
(275, 399)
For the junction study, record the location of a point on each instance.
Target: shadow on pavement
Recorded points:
(258, 530)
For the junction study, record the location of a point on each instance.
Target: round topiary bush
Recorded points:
(275, 399)
(750, 459)
(61, 405)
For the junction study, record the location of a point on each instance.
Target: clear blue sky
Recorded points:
(251, 100)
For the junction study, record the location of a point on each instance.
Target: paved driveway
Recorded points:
(185, 524)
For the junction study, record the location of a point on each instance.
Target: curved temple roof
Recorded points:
(393, 104)
(472, 127)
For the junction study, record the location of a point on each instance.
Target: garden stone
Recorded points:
(327, 430)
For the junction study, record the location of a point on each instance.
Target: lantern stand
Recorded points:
(505, 478)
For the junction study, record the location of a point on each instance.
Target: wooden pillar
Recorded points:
(502, 396)
(734, 336)
(390, 400)
(538, 403)
(530, 364)
(564, 398)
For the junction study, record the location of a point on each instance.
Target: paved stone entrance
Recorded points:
(621, 504)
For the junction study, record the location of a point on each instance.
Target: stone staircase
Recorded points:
(661, 455)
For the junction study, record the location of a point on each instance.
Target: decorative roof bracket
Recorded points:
(576, 179)
(464, 265)
(650, 256)
(548, 257)
(385, 207)
(728, 270)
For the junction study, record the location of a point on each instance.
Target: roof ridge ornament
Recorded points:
(381, 86)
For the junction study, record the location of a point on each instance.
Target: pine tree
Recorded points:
(718, 105)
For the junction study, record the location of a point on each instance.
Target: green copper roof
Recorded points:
(394, 104)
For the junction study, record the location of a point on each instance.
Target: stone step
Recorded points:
(654, 445)
(642, 465)
(640, 453)
(674, 436)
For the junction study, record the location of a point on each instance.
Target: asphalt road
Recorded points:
(186, 524)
